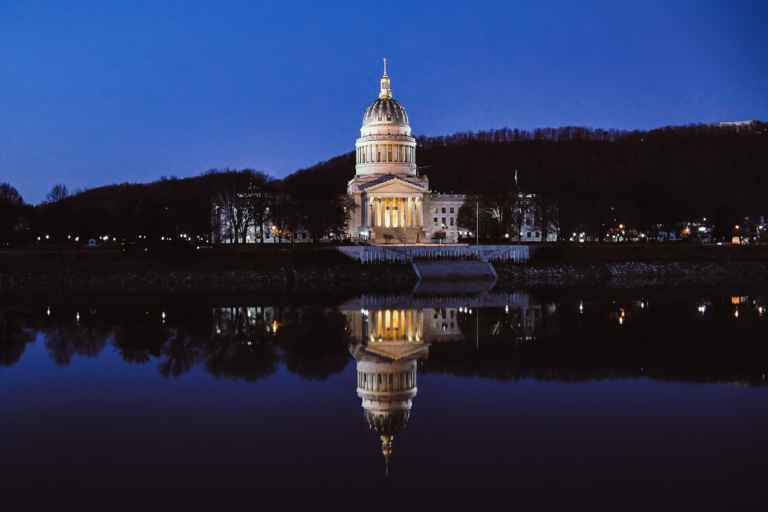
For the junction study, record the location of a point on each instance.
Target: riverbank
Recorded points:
(634, 274)
(324, 271)
(358, 279)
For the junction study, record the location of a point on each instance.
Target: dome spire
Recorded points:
(386, 86)
(386, 450)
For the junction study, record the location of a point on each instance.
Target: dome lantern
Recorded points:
(386, 86)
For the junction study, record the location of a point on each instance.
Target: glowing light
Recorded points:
(736, 313)
(702, 308)
(48, 311)
(275, 326)
(760, 310)
(77, 316)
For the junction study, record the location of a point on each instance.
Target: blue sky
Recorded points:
(95, 92)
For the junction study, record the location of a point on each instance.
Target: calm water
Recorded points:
(663, 394)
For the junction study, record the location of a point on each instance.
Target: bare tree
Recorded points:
(233, 214)
(260, 199)
(9, 196)
(57, 193)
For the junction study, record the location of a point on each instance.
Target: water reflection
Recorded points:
(498, 335)
(404, 348)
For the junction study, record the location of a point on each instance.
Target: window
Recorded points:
(443, 210)
(538, 235)
(434, 221)
(451, 221)
(529, 234)
(451, 210)
(443, 221)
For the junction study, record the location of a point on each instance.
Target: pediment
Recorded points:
(396, 184)
(396, 351)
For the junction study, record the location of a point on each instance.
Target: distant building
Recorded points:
(735, 124)
(225, 217)
(393, 203)
(536, 225)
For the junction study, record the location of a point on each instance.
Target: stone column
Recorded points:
(371, 213)
(420, 211)
(409, 212)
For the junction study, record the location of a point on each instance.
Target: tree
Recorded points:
(546, 215)
(233, 215)
(259, 201)
(57, 193)
(11, 210)
(9, 196)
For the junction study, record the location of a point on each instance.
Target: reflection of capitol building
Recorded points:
(406, 325)
(387, 343)
(391, 333)
(386, 387)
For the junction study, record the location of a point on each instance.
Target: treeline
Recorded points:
(170, 207)
(230, 343)
(598, 178)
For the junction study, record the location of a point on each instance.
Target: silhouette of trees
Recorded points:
(14, 337)
(644, 177)
(12, 212)
(57, 193)
(315, 345)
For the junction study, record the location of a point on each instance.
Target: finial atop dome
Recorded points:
(386, 450)
(386, 87)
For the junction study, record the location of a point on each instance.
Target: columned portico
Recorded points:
(394, 211)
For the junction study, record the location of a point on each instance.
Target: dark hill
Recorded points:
(596, 176)
(653, 176)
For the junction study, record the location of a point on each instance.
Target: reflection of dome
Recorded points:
(388, 423)
(386, 388)
(385, 111)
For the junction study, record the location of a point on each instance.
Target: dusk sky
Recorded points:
(92, 93)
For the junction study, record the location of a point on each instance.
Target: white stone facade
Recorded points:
(393, 203)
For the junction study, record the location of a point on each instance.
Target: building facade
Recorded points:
(393, 202)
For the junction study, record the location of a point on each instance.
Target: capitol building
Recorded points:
(393, 202)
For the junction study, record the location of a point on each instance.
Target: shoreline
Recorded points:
(353, 279)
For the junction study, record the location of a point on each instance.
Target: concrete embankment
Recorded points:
(454, 270)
